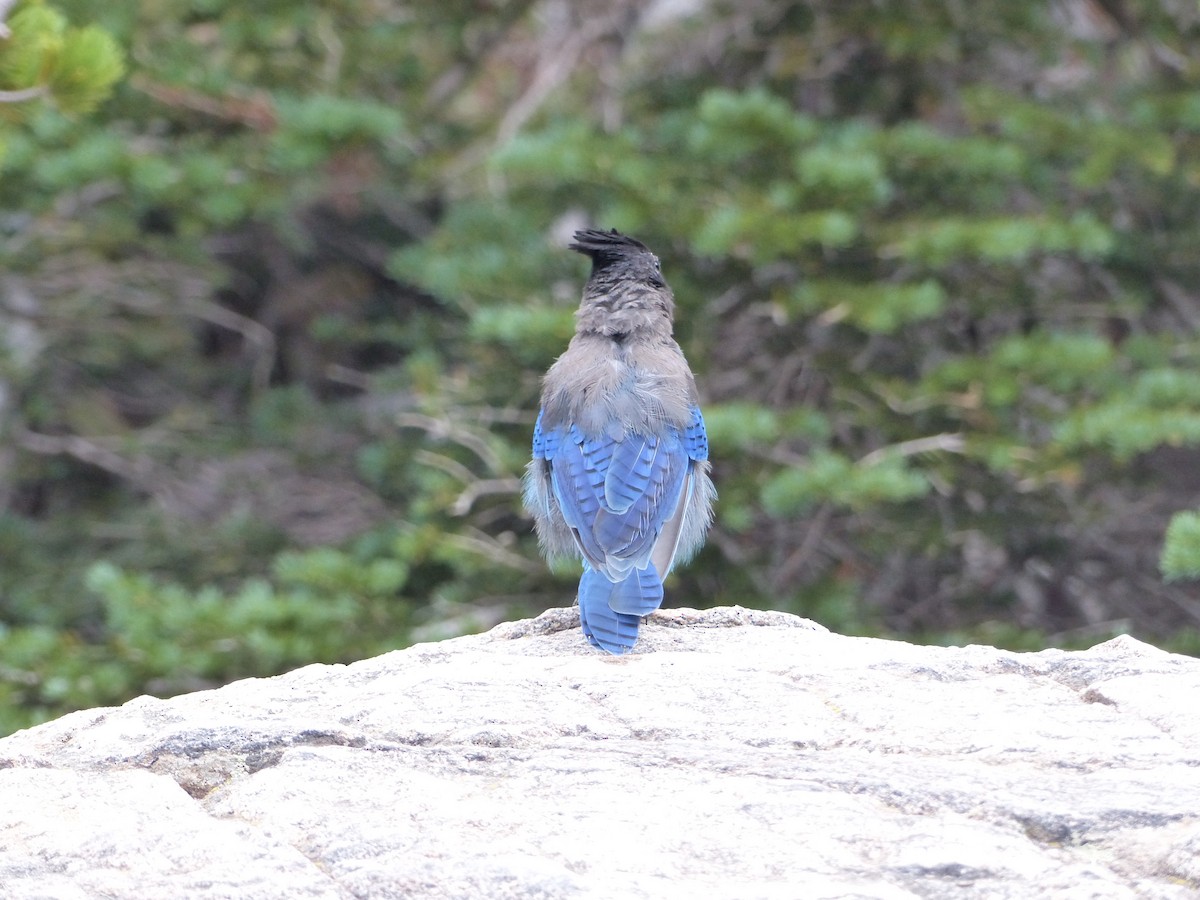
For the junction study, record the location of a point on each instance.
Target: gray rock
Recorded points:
(734, 754)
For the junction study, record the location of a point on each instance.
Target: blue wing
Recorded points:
(624, 501)
(617, 495)
(695, 437)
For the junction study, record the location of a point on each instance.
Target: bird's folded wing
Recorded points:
(695, 437)
(617, 495)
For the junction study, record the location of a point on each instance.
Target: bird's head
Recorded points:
(617, 256)
(626, 292)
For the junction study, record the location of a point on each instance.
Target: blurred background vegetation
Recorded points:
(273, 315)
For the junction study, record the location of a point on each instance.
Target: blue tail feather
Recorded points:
(610, 613)
(640, 594)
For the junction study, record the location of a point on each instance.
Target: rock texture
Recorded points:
(735, 754)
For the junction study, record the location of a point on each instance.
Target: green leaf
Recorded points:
(832, 478)
(1009, 239)
(87, 67)
(536, 335)
(1181, 547)
(29, 54)
(880, 307)
(733, 426)
(732, 126)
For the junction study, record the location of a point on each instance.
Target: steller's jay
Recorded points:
(619, 474)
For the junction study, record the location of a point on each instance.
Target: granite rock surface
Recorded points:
(734, 754)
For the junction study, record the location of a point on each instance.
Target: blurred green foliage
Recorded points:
(42, 58)
(1181, 554)
(272, 317)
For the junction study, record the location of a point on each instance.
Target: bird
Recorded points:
(620, 472)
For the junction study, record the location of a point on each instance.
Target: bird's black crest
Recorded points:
(607, 247)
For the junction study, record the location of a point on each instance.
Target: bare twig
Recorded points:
(139, 472)
(559, 54)
(350, 377)
(254, 332)
(30, 93)
(950, 443)
(486, 545)
(553, 67)
(1184, 304)
(441, 429)
(799, 558)
(481, 488)
(5, 6)
(459, 75)
(451, 467)
(335, 49)
(256, 112)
